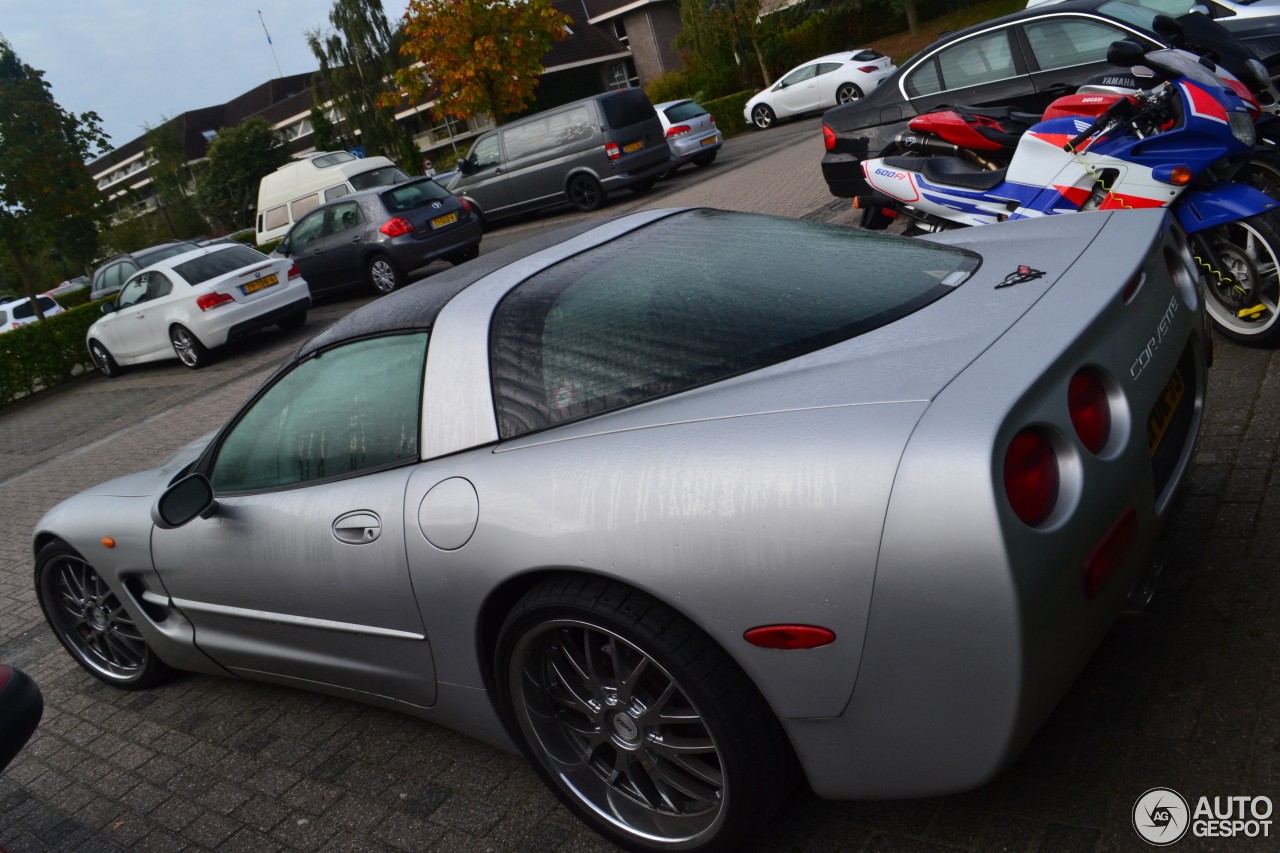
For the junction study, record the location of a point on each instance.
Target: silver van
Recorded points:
(580, 152)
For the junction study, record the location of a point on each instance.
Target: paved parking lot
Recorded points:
(1187, 697)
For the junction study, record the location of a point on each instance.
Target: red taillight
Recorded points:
(466, 205)
(1110, 552)
(789, 636)
(828, 138)
(678, 130)
(1131, 289)
(1090, 410)
(868, 69)
(294, 272)
(612, 151)
(212, 300)
(713, 118)
(396, 227)
(1031, 476)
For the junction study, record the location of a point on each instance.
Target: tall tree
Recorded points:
(324, 134)
(172, 178)
(227, 189)
(48, 200)
(358, 62)
(478, 56)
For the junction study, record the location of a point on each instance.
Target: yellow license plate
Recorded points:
(1163, 411)
(710, 140)
(441, 221)
(635, 146)
(258, 284)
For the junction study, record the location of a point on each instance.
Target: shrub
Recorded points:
(43, 354)
(728, 112)
(73, 300)
(269, 246)
(668, 86)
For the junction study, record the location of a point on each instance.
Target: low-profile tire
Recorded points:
(702, 161)
(762, 116)
(103, 361)
(847, 94)
(470, 253)
(188, 348)
(293, 321)
(592, 677)
(383, 275)
(643, 186)
(90, 622)
(1249, 251)
(585, 192)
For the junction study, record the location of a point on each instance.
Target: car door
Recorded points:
(797, 92)
(486, 180)
(340, 249)
(828, 82)
(305, 247)
(126, 331)
(159, 298)
(983, 70)
(1066, 51)
(300, 574)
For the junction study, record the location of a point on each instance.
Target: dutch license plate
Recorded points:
(258, 284)
(709, 140)
(441, 221)
(634, 146)
(1163, 411)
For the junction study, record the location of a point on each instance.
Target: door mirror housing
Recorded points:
(183, 501)
(464, 166)
(1169, 28)
(1125, 53)
(283, 248)
(109, 307)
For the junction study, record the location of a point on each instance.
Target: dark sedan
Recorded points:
(377, 237)
(1025, 61)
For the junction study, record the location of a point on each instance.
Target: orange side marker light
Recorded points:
(108, 542)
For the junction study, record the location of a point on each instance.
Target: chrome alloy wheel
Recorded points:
(383, 275)
(1252, 262)
(92, 621)
(618, 733)
(184, 344)
(762, 116)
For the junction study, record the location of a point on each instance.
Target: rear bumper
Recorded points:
(411, 254)
(240, 330)
(684, 150)
(626, 179)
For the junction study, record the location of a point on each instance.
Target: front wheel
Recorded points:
(103, 361)
(762, 116)
(89, 620)
(637, 720)
(1242, 296)
(188, 348)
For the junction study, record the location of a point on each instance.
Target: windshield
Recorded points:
(1179, 62)
(383, 176)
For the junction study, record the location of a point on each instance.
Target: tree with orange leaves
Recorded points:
(478, 56)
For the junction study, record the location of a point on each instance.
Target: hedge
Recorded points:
(43, 354)
(728, 112)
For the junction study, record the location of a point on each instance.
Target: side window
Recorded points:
(134, 292)
(924, 80)
(1062, 42)
(277, 217)
(4, 317)
(303, 205)
(160, 285)
(527, 139)
(116, 275)
(336, 192)
(486, 154)
(799, 75)
(348, 409)
(345, 216)
(982, 59)
(307, 231)
(827, 67)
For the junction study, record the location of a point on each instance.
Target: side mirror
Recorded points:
(1168, 27)
(464, 166)
(283, 248)
(180, 503)
(1125, 53)
(108, 307)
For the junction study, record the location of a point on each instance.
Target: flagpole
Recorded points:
(272, 46)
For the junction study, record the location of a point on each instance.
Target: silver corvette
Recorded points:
(682, 505)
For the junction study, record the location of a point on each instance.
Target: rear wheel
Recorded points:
(188, 348)
(103, 361)
(762, 116)
(847, 93)
(638, 721)
(90, 621)
(585, 192)
(383, 274)
(1243, 296)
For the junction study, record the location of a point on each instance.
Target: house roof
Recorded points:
(604, 10)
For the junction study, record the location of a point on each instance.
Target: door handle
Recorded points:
(357, 528)
(1058, 89)
(355, 239)
(498, 171)
(139, 315)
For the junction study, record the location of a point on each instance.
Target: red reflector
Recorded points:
(828, 138)
(678, 130)
(1090, 410)
(396, 227)
(1110, 552)
(1134, 283)
(868, 69)
(294, 272)
(789, 636)
(212, 300)
(612, 151)
(713, 118)
(1031, 476)
(466, 205)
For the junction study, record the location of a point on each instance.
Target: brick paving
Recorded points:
(1185, 697)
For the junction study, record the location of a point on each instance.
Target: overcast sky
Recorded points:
(134, 61)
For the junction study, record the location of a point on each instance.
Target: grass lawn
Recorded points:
(902, 46)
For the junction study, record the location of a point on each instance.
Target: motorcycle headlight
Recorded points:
(1242, 128)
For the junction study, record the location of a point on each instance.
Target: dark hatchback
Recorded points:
(1025, 61)
(377, 237)
(112, 275)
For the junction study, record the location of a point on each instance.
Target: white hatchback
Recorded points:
(184, 306)
(20, 312)
(820, 83)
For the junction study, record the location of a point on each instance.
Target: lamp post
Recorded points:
(717, 6)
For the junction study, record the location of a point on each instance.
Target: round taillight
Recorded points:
(789, 636)
(828, 138)
(1090, 410)
(1031, 476)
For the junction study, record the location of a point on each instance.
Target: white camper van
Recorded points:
(285, 195)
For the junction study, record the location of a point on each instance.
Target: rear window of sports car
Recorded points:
(696, 298)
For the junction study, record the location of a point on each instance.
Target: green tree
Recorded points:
(172, 178)
(323, 132)
(358, 62)
(48, 201)
(227, 189)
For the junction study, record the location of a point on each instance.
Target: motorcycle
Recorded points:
(1176, 145)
